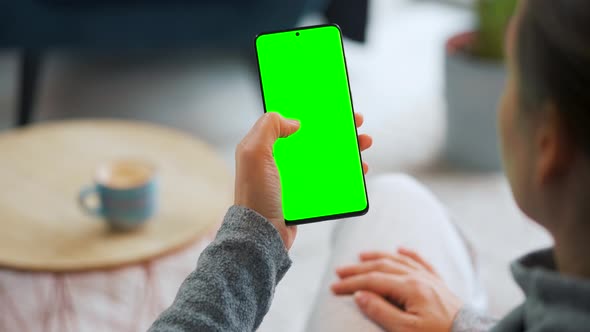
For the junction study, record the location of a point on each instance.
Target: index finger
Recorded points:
(416, 257)
(407, 261)
(381, 265)
(384, 284)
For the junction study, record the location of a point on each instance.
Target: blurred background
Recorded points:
(427, 90)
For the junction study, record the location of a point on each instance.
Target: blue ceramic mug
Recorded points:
(127, 194)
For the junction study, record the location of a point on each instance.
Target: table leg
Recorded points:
(30, 65)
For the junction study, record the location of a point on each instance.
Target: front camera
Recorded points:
(297, 34)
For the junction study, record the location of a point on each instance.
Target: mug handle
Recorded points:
(83, 202)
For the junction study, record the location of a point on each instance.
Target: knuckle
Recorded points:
(374, 275)
(412, 283)
(370, 308)
(239, 148)
(382, 264)
(272, 117)
(407, 261)
(422, 291)
(411, 324)
(419, 287)
(245, 151)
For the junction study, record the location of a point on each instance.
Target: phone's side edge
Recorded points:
(259, 69)
(354, 121)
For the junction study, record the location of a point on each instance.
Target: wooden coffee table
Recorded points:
(44, 167)
(50, 247)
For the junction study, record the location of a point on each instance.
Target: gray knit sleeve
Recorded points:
(234, 282)
(469, 320)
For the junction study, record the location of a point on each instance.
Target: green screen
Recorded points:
(304, 77)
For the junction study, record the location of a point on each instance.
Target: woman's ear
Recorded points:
(555, 146)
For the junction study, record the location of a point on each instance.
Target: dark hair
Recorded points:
(553, 57)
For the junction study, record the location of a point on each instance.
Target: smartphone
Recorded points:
(303, 76)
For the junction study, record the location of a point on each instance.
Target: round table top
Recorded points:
(44, 167)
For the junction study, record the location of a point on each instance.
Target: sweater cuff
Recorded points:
(469, 320)
(249, 224)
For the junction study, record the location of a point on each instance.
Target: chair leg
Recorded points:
(30, 65)
(351, 15)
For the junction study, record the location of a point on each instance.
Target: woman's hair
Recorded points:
(553, 59)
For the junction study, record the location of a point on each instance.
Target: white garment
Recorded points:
(402, 212)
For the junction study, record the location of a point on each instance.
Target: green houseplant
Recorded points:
(474, 78)
(493, 17)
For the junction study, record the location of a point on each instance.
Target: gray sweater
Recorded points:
(235, 279)
(233, 285)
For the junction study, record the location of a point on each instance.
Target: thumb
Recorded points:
(380, 311)
(264, 133)
(287, 127)
(272, 126)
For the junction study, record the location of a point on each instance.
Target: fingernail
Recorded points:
(361, 298)
(294, 122)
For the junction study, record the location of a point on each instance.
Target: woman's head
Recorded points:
(545, 112)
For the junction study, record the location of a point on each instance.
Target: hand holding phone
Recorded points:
(257, 184)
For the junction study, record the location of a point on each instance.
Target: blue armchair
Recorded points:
(37, 25)
(99, 24)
